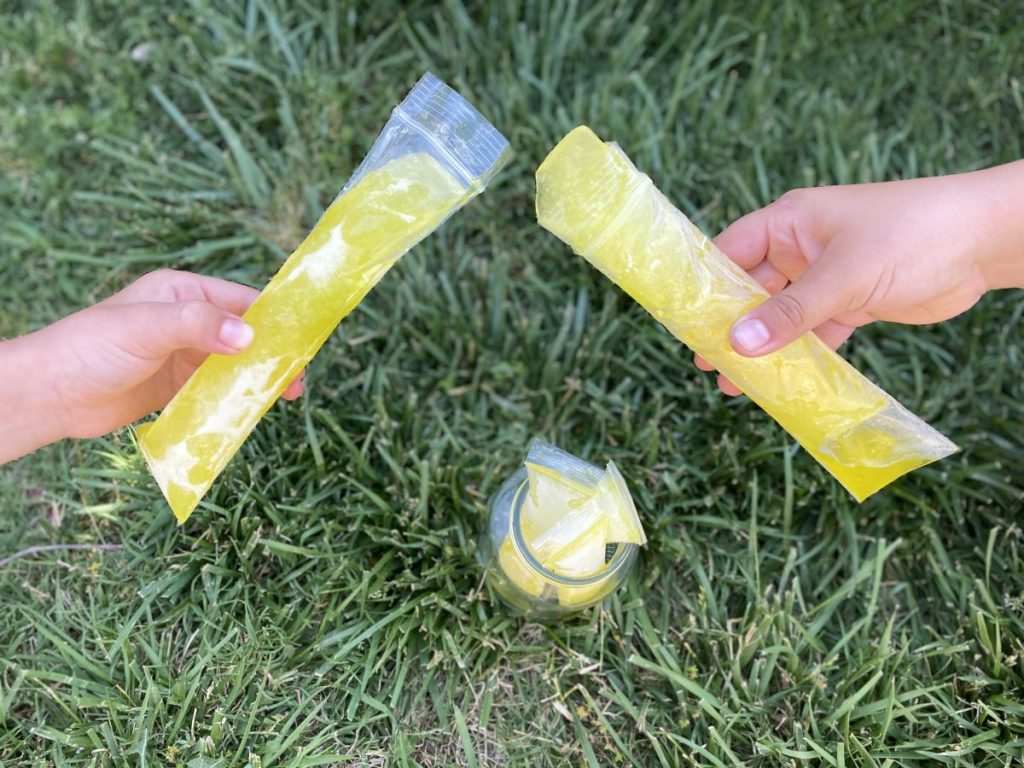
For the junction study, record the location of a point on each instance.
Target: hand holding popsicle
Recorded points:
(837, 258)
(218, 355)
(591, 196)
(435, 154)
(112, 363)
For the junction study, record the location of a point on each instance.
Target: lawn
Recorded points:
(324, 605)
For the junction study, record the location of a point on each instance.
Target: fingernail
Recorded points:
(236, 334)
(751, 335)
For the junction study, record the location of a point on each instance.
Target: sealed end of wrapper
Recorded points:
(880, 449)
(437, 119)
(553, 460)
(444, 114)
(627, 516)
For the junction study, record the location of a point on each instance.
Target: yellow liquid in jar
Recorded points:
(358, 238)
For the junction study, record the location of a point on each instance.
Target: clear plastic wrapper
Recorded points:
(591, 196)
(434, 155)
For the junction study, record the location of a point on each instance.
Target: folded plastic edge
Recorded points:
(573, 468)
(447, 117)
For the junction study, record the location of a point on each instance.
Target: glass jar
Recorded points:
(520, 580)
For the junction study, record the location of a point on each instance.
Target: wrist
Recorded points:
(35, 415)
(999, 193)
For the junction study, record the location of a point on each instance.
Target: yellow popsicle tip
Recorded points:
(581, 185)
(558, 180)
(181, 502)
(579, 139)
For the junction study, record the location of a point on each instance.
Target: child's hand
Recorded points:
(112, 363)
(837, 258)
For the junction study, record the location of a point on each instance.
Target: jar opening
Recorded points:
(621, 558)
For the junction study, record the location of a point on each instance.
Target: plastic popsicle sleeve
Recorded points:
(591, 196)
(434, 155)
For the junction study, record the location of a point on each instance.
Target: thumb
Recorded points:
(819, 294)
(156, 329)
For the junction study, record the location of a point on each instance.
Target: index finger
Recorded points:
(175, 285)
(233, 297)
(745, 241)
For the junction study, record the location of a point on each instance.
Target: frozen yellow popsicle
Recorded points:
(356, 241)
(398, 196)
(591, 196)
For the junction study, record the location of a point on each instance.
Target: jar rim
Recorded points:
(624, 551)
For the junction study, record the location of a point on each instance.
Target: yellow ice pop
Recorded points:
(392, 204)
(591, 196)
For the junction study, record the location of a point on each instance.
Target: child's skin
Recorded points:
(835, 258)
(112, 363)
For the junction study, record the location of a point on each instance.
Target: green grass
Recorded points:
(324, 605)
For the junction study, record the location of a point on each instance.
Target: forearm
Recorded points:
(32, 416)
(999, 195)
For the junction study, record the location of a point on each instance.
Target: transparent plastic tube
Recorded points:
(434, 155)
(591, 196)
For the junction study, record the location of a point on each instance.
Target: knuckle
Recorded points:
(191, 316)
(793, 199)
(791, 309)
(160, 284)
(158, 276)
